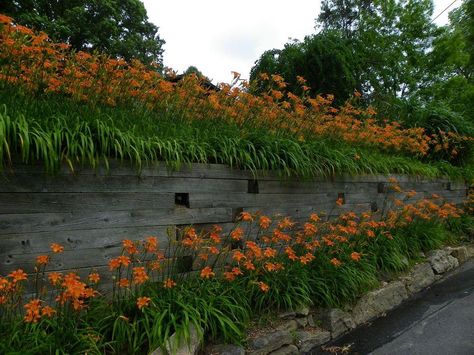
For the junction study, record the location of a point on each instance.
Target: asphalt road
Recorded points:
(437, 321)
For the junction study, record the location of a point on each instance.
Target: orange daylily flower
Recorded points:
(143, 302)
(286, 223)
(238, 256)
(246, 217)
(307, 258)
(130, 246)
(236, 271)
(154, 265)
(263, 286)
(123, 283)
(203, 256)
(215, 237)
(94, 277)
(42, 259)
(114, 264)
(264, 222)
(4, 284)
(213, 250)
(355, 256)
(229, 276)
(336, 262)
(273, 266)
(57, 248)
(18, 275)
(207, 273)
(151, 244)
(124, 260)
(310, 229)
(291, 253)
(139, 275)
(48, 311)
(216, 228)
(33, 311)
(237, 233)
(55, 277)
(169, 283)
(270, 253)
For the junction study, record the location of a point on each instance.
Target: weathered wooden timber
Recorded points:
(90, 211)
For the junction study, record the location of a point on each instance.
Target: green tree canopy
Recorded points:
(451, 65)
(378, 47)
(325, 60)
(391, 37)
(117, 27)
(343, 15)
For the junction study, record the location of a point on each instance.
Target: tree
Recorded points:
(193, 70)
(117, 27)
(325, 60)
(342, 15)
(378, 47)
(451, 64)
(391, 37)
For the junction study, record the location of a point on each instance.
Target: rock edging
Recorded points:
(303, 331)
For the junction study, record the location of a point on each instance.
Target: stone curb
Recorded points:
(303, 330)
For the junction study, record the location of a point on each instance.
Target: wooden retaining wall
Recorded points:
(90, 212)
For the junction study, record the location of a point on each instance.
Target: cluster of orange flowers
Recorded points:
(257, 247)
(425, 209)
(260, 245)
(70, 290)
(34, 61)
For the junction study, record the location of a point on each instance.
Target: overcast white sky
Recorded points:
(219, 36)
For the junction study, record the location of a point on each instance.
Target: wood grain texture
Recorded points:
(39, 242)
(118, 168)
(90, 183)
(66, 221)
(91, 211)
(258, 200)
(311, 187)
(73, 202)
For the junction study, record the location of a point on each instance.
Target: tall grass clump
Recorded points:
(217, 281)
(74, 108)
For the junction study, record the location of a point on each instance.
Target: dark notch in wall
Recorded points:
(381, 188)
(374, 207)
(341, 197)
(181, 199)
(252, 187)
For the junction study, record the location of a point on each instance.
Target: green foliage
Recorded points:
(76, 335)
(469, 7)
(335, 286)
(435, 117)
(193, 70)
(61, 131)
(343, 15)
(412, 71)
(450, 66)
(291, 290)
(208, 305)
(325, 60)
(393, 254)
(390, 38)
(463, 226)
(221, 310)
(120, 28)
